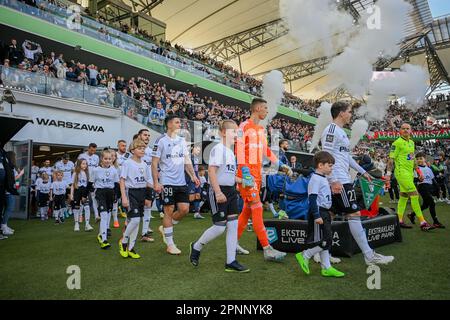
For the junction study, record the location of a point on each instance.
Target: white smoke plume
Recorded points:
(410, 83)
(316, 26)
(379, 37)
(359, 128)
(323, 120)
(329, 31)
(354, 66)
(273, 89)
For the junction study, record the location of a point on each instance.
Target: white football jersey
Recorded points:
(104, 178)
(43, 187)
(147, 158)
(82, 179)
(67, 169)
(47, 170)
(59, 187)
(318, 184)
(335, 141)
(136, 175)
(427, 174)
(172, 154)
(92, 161)
(121, 158)
(223, 158)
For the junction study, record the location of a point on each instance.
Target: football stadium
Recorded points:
(232, 150)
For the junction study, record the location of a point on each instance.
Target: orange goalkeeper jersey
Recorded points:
(251, 147)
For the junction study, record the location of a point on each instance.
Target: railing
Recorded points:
(39, 82)
(60, 16)
(135, 39)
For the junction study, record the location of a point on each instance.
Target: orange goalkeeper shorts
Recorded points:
(250, 194)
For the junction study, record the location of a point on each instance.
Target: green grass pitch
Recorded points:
(34, 263)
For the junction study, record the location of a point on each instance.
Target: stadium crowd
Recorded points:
(150, 101)
(421, 118)
(198, 60)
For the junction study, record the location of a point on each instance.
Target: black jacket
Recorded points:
(297, 166)
(9, 173)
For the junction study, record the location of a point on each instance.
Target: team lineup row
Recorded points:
(235, 165)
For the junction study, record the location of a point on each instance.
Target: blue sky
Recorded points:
(439, 7)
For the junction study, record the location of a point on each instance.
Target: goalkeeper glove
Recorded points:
(247, 178)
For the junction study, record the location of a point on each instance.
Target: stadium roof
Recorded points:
(254, 29)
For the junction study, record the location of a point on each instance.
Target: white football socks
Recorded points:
(133, 236)
(76, 216)
(146, 220)
(232, 240)
(103, 224)
(360, 237)
(309, 253)
(210, 234)
(130, 231)
(325, 259)
(109, 219)
(87, 213)
(168, 233)
(115, 210)
(94, 205)
(44, 211)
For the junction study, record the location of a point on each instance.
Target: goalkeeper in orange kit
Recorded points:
(251, 146)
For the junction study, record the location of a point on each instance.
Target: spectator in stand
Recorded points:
(83, 78)
(61, 71)
(111, 84)
(47, 72)
(120, 83)
(176, 111)
(14, 54)
(192, 106)
(102, 78)
(70, 75)
(29, 52)
(158, 114)
(143, 111)
(93, 73)
(294, 164)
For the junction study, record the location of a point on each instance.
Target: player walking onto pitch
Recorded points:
(170, 153)
(334, 140)
(319, 218)
(425, 187)
(58, 195)
(147, 232)
(402, 154)
(105, 180)
(79, 194)
(136, 192)
(223, 198)
(250, 148)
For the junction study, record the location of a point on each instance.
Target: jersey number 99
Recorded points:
(168, 192)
